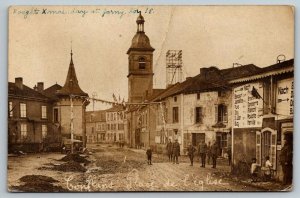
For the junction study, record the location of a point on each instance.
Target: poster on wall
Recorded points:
(285, 97)
(248, 108)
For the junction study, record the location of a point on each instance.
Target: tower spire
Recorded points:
(71, 62)
(140, 22)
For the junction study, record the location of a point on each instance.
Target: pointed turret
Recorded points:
(71, 86)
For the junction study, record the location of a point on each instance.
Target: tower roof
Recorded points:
(140, 41)
(71, 86)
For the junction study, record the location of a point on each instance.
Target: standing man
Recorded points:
(214, 154)
(191, 150)
(208, 153)
(176, 152)
(169, 149)
(202, 150)
(286, 161)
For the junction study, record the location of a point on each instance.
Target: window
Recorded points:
(23, 131)
(198, 96)
(224, 140)
(92, 130)
(175, 115)
(23, 110)
(175, 99)
(10, 108)
(55, 115)
(44, 131)
(142, 63)
(199, 116)
(44, 112)
(222, 113)
(121, 126)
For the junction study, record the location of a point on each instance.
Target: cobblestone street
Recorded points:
(122, 169)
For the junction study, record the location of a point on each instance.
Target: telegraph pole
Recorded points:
(72, 124)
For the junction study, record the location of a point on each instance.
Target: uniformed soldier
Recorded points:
(214, 154)
(191, 150)
(169, 149)
(286, 161)
(176, 152)
(202, 150)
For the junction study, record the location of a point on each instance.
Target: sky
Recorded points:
(40, 39)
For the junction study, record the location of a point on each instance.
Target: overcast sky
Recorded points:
(40, 41)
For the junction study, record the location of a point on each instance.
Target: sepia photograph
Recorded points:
(150, 98)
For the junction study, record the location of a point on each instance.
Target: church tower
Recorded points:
(140, 57)
(72, 105)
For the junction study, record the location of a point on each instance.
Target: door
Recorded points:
(197, 138)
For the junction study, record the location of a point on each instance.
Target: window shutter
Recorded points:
(216, 113)
(273, 148)
(258, 147)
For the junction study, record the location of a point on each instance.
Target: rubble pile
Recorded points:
(38, 183)
(70, 166)
(75, 157)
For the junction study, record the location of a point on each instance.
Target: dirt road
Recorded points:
(122, 169)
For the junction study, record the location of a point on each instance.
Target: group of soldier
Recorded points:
(211, 151)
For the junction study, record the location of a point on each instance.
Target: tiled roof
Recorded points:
(71, 85)
(276, 69)
(51, 92)
(97, 116)
(26, 92)
(212, 79)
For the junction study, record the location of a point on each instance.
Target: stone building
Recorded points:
(199, 109)
(263, 109)
(72, 100)
(38, 117)
(31, 125)
(96, 126)
(116, 124)
(140, 83)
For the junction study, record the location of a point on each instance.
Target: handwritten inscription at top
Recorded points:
(82, 12)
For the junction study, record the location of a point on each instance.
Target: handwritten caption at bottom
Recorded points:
(133, 181)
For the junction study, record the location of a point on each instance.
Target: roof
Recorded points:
(97, 116)
(210, 78)
(51, 92)
(115, 108)
(275, 69)
(71, 86)
(26, 92)
(140, 41)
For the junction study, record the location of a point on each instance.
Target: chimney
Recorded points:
(40, 86)
(19, 82)
(203, 71)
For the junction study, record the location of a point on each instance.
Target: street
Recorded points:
(119, 169)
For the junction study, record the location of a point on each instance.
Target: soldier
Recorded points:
(214, 154)
(202, 150)
(191, 150)
(149, 155)
(169, 149)
(208, 153)
(286, 161)
(176, 152)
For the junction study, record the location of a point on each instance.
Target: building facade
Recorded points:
(116, 124)
(263, 114)
(96, 126)
(38, 118)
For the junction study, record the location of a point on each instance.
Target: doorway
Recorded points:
(197, 138)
